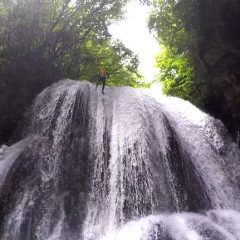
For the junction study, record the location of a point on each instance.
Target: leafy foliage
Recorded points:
(206, 33)
(61, 32)
(120, 62)
(176, 75)
(42, 41)
(175, 22)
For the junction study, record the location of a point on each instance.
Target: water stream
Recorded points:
(119, 166)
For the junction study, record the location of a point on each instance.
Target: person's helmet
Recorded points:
(102, 70)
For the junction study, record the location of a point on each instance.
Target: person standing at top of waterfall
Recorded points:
(102, 77)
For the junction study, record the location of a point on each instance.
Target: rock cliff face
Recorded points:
(219, 50)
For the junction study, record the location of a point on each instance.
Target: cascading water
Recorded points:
(120, 166)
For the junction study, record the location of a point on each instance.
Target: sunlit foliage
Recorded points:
(176, 75)
(174, 23)
(42, 41)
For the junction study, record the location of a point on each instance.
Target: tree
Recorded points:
(42, 41)
(177, 75)
(175, 24)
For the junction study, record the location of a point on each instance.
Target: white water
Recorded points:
(119, 166)
(221, 224)
(8, 155)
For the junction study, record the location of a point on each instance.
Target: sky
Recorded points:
(133, 32)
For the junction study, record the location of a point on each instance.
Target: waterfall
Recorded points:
(120, 166)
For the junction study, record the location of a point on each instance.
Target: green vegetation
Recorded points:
(174, 22)
(42, 41)
(120, 62)
(70, 38)
(201, 57)
(176, 75)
